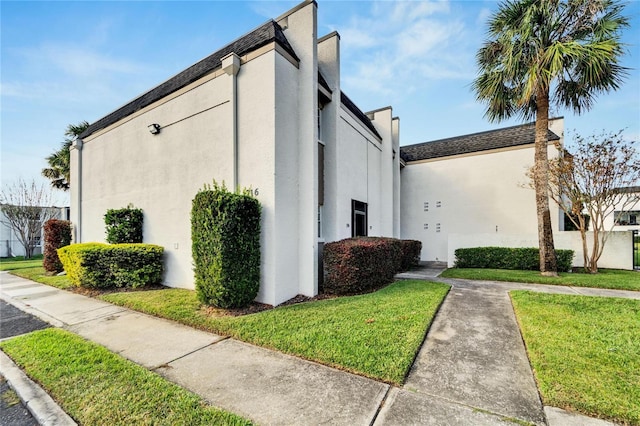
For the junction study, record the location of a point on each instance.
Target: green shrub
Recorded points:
(97, 265)
(410, 253)
(57, 234)
(225, 235)
(357, 265)
(508, 258)
(124, 225)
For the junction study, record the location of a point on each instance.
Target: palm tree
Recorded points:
(563, 52)
(58, 171)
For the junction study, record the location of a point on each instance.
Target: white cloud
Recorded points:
(483, 17)
(402, 46)
(78, 61)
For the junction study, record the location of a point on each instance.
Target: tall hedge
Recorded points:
(225, 235)
(124, 226)
(57, 234)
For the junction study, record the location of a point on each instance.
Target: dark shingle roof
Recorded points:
(523, 134)
(358, 113)
(628, 190)
(261, 36)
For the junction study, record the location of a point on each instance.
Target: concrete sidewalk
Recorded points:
(472, 368)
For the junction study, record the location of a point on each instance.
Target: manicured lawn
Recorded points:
(98, 387)
(19, 262)
(585, 352)
(606, 278)
(38, 274)
(376, 334)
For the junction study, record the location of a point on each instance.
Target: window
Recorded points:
(437, 227)
(358, 219)
(320, 174)
(426, 206)
(438, 203)
(628, 218)
(426, 226)
(319, 121)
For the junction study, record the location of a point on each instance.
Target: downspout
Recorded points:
(77, 146)
(231, 66)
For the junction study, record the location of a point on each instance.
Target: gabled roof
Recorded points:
(523, 134)
(261, 36)
(348, 103)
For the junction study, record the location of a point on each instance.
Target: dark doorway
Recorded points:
(358, 219)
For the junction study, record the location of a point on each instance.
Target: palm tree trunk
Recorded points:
(548, 261)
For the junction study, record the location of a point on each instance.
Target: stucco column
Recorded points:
(75, 167)
(231, 66)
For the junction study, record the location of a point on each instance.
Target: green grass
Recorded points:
(98, 387)
(585, 352)
(376, 335)
(19, 262)
(606, 278)
(38, 274)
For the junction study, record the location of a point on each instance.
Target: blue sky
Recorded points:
(63, 62)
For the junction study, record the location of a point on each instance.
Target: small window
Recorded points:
(426, 206)
(437, 227)
(426, 226)
(358, 219)
(626, 218)
(438, 204)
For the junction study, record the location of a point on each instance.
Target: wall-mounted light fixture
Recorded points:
(154, 128)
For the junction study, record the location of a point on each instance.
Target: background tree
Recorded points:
(562, 52)
(26, 206)
(59, 168)
(589, 179)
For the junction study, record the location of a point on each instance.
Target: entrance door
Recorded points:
(358, 219)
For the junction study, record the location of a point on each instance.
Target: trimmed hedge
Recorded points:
(57, 234)
(124, 226)
(357, 265)
(410, 253)
(225, 235)
(508, 258)
(98, 265)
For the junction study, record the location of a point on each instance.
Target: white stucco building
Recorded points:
(472, 185)
(265, 112)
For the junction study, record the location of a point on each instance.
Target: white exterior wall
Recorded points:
(357, 174)
(482, 193)
(388, 164)
(396, 179)
(329, 66)
(617, 253)
(276, 103)
(161, 173)
(300, 28)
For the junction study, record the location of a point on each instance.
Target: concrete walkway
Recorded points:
(472, 368)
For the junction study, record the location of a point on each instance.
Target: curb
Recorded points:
(43, 408)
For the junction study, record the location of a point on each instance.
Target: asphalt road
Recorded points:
(14, 322)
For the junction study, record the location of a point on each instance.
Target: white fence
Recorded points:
(618, 250)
